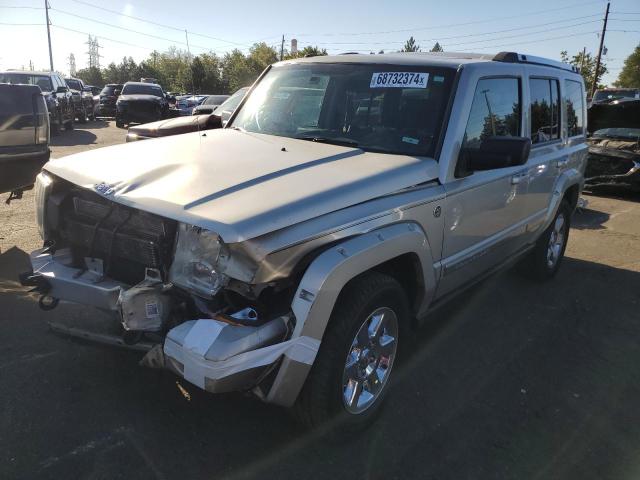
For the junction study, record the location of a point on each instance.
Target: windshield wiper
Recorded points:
(332, 141)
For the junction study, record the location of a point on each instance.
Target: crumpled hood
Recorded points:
(172, 126)
(240, 185)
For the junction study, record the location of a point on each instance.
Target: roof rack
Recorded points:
(513, 57)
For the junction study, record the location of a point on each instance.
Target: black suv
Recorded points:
(108, 97)
(82, 99)
(141, 103)
(56, 94)
(24, 136)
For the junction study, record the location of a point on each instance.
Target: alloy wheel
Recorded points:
(370, 360)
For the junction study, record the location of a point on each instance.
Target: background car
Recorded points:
(24, 136)
(108, 97)
(225, 110)
(56, 94)
(141, 103)
(192, 123)
(82, 99)
(186, 103)
(209, 104)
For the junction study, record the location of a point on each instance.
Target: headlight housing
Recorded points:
(200, 257)
(42, 188)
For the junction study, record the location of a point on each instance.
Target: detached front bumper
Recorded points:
(612, 167)
(88, 287)
(213, 355)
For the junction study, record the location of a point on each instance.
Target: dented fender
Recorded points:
(325, 278)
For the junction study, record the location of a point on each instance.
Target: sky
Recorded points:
(137, 27)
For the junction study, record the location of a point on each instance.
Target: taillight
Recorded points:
(41, 120)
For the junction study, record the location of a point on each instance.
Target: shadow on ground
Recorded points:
(512, 380)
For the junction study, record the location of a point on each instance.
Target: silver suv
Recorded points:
(291, 253)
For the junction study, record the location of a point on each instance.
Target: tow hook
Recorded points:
(47, 302)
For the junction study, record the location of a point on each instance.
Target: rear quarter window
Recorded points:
(574, 101)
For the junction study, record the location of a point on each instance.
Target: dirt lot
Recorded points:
(514, 380)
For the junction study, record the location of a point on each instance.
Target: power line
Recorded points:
(157, 37)
(171, 27)
(434, 27)
(439, 39)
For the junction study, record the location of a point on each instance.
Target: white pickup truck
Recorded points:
(291, 252)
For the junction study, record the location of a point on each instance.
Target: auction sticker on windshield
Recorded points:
(399, 80)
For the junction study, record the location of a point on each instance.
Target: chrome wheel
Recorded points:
(369, 361)
(556, 241)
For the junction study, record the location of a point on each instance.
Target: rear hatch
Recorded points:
(24, 135)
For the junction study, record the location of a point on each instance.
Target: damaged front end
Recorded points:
(175, 288)
(614, 144)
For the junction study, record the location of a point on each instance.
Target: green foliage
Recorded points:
(437, 48)
(177, 70)
(629, 77)
(587, 67)
(307, 51)
(410, 46)
(91, 76)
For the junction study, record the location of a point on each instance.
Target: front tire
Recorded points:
(351, 373)
(544, 260)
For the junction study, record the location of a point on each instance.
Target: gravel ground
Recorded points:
(513, 380)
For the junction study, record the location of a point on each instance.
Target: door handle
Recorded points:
(519, 178)
(562, 163)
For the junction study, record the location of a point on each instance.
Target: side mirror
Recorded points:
(62, 89)
(214, 121)
(494, 152)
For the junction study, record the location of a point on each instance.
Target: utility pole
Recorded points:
(584, 55)
(46, 9)
(186, 35)
(282, 49)
(604, 30)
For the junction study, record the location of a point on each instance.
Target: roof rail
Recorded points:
(513, 57)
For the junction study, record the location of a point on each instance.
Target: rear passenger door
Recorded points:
(484, 211)
(547, 146)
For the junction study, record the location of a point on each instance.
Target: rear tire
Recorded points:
(350, 375)
(83, 116)
(69, 125)
(119, 124)
(544, 260)
(56, 127)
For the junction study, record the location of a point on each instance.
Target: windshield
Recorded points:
(609, 95)
(142, 89)
(43, 81)
(385, 108)
(75, 84)
(215, 99)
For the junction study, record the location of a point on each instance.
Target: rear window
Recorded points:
(43, 81)
(215, 99)
(110, 89)
(574, 99)
(142, 89)
(75, 84)
(545, 109)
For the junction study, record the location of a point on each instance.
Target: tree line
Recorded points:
(178, 71)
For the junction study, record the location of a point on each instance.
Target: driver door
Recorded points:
(485, 210)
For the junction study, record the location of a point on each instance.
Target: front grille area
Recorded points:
(126, 239)
(602, 165)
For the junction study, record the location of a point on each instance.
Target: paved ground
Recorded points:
(514, 380)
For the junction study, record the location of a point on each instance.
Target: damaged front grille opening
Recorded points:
(110, 241)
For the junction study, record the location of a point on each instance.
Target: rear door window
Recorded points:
(574, 100)
(495, 111)
(545, 110)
